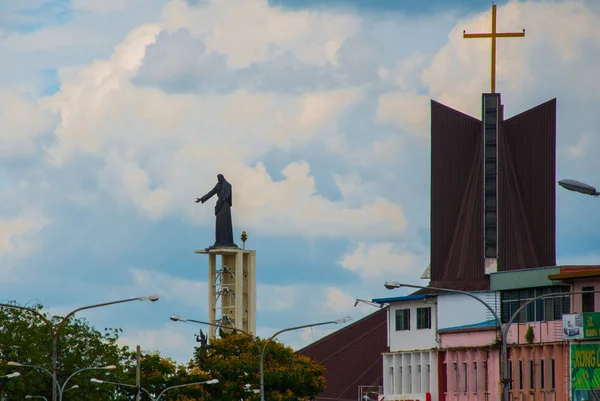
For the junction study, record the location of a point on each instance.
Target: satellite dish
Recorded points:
(573, 185)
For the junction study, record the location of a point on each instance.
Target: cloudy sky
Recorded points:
(116, 114)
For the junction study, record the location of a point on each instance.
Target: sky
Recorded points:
(116, 115)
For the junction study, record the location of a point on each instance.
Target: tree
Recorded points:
(156, 374)
(27, 339)
(234, 360)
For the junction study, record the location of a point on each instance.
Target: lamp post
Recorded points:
(10, 375)
(55, 330)
(213, 381)
(390, 285)
(261, 350)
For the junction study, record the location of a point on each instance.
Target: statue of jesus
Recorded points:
(223, 226)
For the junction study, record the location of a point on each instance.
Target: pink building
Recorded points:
(469, 363)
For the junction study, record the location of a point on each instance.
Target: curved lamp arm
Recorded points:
(123, 385)
(109, 367)
(33, 311)
(305, 326)
(213, 381)
(152, 298)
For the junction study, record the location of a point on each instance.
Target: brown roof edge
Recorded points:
(531, 110)
(454, 110)
(563, 276)
(342, 330)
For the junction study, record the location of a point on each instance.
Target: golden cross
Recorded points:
(493, 35)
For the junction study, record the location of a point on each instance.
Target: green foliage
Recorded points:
(529, 335)
(26, 339)
(234, 360)
(158, 373)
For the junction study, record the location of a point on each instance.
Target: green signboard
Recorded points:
(591, 325)
(585, 372)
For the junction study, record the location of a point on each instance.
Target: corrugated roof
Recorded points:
(488, 324)
(352, 357)
(402, 298)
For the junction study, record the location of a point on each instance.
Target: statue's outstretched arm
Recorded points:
(208, 195)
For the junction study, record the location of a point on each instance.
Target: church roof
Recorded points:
(352, 357)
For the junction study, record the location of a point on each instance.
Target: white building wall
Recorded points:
(413, 339)
(459, 309)
(410, 375)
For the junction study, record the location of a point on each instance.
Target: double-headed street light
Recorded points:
(61, 389)
(45, 399)
(55, 330)
(213, 381)
(261, 350)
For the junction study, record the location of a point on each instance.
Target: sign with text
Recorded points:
(591, 325)
(578, 326)
(585, 371)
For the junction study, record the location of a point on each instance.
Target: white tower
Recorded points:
(231, 288)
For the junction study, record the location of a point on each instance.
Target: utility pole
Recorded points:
(137, 373)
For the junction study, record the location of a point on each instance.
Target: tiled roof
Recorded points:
(352, 357)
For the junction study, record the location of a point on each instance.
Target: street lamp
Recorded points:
(261, 350)
(10, 375)
(577, 186)
(213, 381)
(55, 330)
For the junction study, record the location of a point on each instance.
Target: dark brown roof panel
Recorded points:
(527, 189)
(456, 198)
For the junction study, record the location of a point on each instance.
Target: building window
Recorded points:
(475, 375)
(399, 382)
(531, 375)
(587, 300)
(485, 382)
(402, 319)
(456, 379)
(520, 375)
(510, 375)
(465, 381)
(409, 389)
(552, 374)
(542, 374)
(551, 308)
(424, 318)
